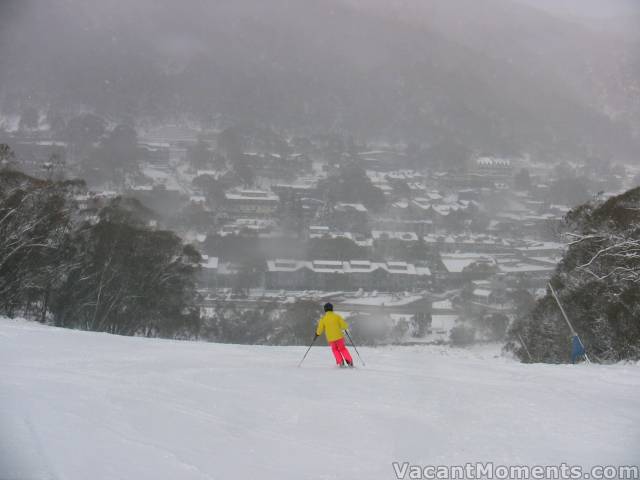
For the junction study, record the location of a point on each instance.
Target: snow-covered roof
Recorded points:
(442, 305)
(523, 267)
(154, 145)
(423, 203)
(482, 292)
(457, 262)
(406, 236)
(374, 152)
(258, 195)
(353, 266)
(432, 195)
(355, 206)
(212, 173)
(300, 184)
(445, 210)
(493, 162)
(210, 263)
(106, 194)
(470, 239)
(360, 264)
(416, 186)
(542, 246)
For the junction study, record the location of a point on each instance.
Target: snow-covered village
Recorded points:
(209, 211)
(427, 250)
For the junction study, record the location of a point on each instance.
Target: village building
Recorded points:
(250, 203)
(331, 275)
(157, 154)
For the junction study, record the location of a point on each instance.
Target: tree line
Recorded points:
(598, 283)
(91, 266)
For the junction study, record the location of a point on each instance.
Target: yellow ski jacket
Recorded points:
(333, 325)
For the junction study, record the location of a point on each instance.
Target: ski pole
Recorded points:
(307, 352)
(354, 347)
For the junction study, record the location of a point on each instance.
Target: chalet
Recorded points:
(305, 188)
(397, 223)
(468, 266)
(349, 275)
(493, 167)
(250, 203)
(155, 153)
(479, 243)
(541, 249)
(248, 227)
(535, 273)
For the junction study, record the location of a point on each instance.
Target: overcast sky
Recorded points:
(588, 8)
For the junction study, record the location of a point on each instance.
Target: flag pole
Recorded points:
(564, 314)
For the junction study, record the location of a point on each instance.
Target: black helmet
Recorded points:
(328, 307)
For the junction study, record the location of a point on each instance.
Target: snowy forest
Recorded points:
(99, 270)
(598, 281)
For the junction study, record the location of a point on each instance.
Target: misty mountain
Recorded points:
(556, 45)
(496, 76)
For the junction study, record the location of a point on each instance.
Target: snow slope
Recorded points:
(78, 405)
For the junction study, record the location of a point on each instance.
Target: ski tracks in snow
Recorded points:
(78, 405)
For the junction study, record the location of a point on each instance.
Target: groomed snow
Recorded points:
(78, 405)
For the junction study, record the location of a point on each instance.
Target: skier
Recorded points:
(333, 325)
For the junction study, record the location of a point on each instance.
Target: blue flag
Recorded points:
(577, 349)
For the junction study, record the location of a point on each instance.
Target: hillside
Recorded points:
(78, 405)
(502, 78)
(584, 61)
(597, 282)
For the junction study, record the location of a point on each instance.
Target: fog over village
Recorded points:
(380, 154)
(447, 174)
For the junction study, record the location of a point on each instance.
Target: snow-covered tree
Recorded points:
(598, 283)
